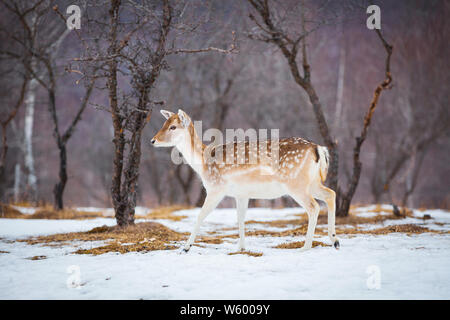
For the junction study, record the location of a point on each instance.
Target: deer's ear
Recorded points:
(167, 114)
(184, 118)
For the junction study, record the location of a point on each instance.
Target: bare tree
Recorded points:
(62, 138)
(404, 153)
(343, 202)
(42, 35)
(271, 31)
(7, 120)
(137, 46)
(27, 17)
(13, 87)
(406, 135)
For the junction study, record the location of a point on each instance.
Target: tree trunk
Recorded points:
(340, 88)
(120, 206)
(58, 190)
(412, 177)
(17, 172)
(31, 180)
(124, 215)
(201, 197)
(333, 170)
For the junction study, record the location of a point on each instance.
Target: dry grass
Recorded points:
(149, 236)
(9, 212)
(1, 251)
(264, 233)
(23, 204)
(249, 253)
(211, 240)
(281, 223)
(37, 258)
(141, 237)
(166, 213)
(351, 219)
(286, 233)
(47, 212)
(300, 244)
(301, 231)
(401, 228)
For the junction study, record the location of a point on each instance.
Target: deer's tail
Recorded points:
(324, 160)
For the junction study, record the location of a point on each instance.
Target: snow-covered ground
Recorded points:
(394, 266)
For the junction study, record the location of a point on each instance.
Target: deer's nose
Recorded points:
(153, 141)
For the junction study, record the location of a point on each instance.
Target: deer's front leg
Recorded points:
(241, 207)
(211, 202)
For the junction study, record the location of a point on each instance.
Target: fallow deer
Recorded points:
(298, 171)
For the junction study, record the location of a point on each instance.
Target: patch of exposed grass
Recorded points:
(281, 223)
(48, 212)
(300, 244)
(37, 258)
(264, 233)
(24, 204)
(116, 246)
(352, 219)
(1, 251)
(166, 213)
(286, 233)
(249, 253)
(9, 212)
(301, 231)
(355, 220)
(141, 237)
(401, 228)
(211, 240)
(223, 229)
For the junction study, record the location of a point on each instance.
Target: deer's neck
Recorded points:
(192, 150)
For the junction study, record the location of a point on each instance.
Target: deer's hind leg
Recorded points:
(306, 200)
(329, 197)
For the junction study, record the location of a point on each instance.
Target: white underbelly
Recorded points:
(265, 190)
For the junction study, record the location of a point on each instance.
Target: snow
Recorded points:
(409, 267)
(25, 210)
(22, 228)
(109, 212)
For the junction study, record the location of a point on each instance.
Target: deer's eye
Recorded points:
(172, 127)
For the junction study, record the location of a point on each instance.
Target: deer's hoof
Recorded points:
(336, 245)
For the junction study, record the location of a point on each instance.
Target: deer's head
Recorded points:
(174, 131)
